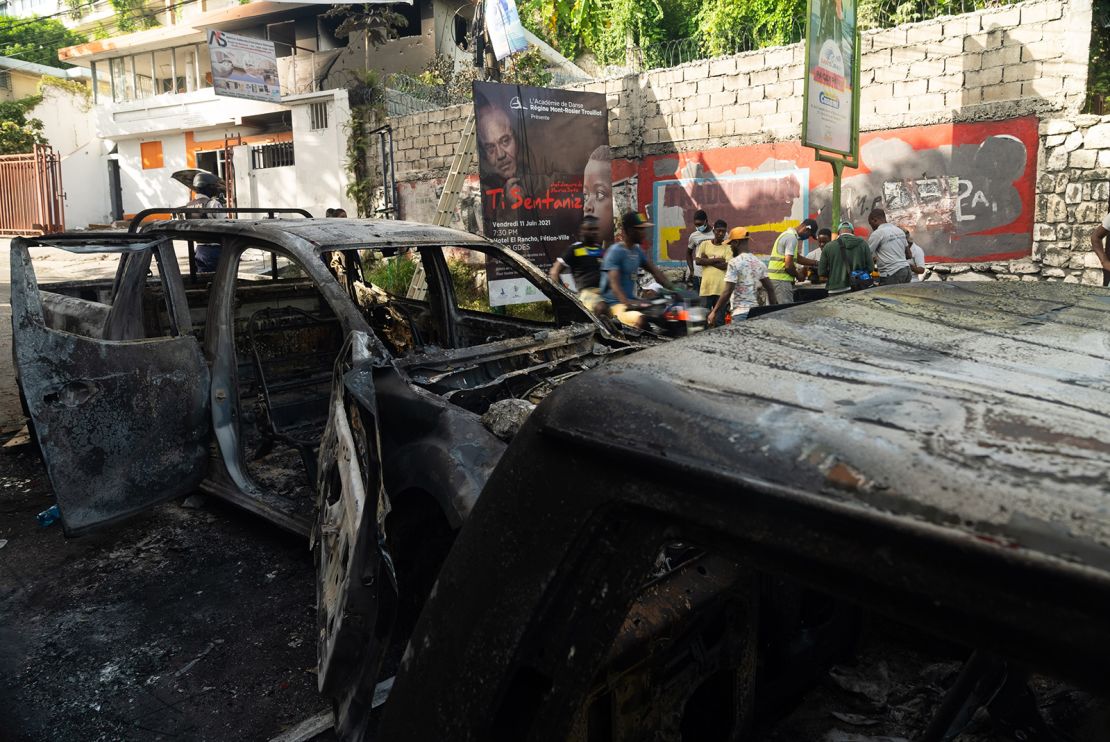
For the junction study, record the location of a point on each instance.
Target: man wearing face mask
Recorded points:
(700, 234)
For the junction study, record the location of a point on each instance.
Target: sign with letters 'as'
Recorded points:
(243, 67)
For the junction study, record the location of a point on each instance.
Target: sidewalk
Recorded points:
(50, 266)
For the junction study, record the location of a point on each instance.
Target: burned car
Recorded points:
(330, 376)
(932, 453)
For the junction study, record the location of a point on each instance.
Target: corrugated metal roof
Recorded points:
(977, 406)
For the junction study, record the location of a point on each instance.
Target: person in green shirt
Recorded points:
(713, 256)
(843, 255)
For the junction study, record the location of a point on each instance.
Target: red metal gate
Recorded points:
(31, 193)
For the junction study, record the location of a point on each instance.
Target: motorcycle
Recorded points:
(674, 313)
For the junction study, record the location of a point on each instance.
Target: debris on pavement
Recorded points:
(505, 417)
(874, 685)
(47, 517)
(194, 502)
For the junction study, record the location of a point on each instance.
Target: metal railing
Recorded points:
(272, 155)
(31, 193)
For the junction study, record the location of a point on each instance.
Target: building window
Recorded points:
(152, 154)
(5, 81)
(272, 155)
(182, 69)
(318, 115)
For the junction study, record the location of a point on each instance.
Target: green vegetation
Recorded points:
(392, 275)
(706, 28)
(36, 40)
(1098, 71)
(472, 293)
(19, 134)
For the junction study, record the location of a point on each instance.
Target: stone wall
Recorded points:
(991, 65)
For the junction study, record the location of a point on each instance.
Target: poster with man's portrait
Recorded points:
(543, 163)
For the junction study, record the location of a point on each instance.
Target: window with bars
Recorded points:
(318, 116)
(272, 155)
(5, 80)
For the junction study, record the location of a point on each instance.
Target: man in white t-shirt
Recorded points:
(1098, 244)
(891, 251)
(917, 261)
(744, 274)
(701, 233)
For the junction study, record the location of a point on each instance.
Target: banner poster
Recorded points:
(243, 67)
(832, 78)
(506, 32)
(543, 164)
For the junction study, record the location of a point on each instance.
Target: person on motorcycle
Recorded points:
(743, 275)
(584, 260)
(208, 188)
(618, 271)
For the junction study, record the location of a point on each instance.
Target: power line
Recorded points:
(69, 12)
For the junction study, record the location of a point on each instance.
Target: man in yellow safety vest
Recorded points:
(785, 264)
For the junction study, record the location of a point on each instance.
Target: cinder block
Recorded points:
(698, 101)
(945, 47)
(1020, 72)
(763, 77)
(877, 91)
(929, 102)
(957, 99)
(779, 57)
(695, 72)
(1002, 18)
(709, 114)
(696, 131)
(749, 94)
(946, 83)
(1003, 91)
(910, 88)
(906, 54)
(1044, 50)
(780, 90)
(750, 62)
(1040, 12)
(1024, 35)
(723, 128)
(748, 125)
(892, 106)
(718, 100)
(710, 85)
(871, 60)
(724, 66)
(1002, 57)
(735, 81)
(980, 78)
(682, 90)
(792, 72)
(924, 70)
(762, 107)
(1042, 87)
(893, 73)
(923, 33)
(975, 42)
(737, 112)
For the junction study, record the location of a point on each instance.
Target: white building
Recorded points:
(155, 103)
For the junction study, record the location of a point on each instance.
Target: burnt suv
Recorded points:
(933, 453)
(331, 376)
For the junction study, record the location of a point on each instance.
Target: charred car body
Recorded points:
(935, 453)
(310, 379)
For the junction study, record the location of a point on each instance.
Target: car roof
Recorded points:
(975, 406)
(327, 234)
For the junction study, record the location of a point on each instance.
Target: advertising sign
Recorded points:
(831, 121)
(505, 30)
(543, 164)
(243, 67)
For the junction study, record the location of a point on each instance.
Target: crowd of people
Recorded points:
(725, 273)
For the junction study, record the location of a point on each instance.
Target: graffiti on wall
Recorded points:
(965, 190)
(765, 203)
(417, 202)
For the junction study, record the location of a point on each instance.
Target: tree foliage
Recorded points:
(19, 134)
(1098, 71)
(35, 40)
(380, 23)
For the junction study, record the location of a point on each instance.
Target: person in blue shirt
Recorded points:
(619, 267)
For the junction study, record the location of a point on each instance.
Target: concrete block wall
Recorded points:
(993, 64)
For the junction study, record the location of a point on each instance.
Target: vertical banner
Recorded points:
(506, 32)
(543, 163)
(243, 67)
(831, 121)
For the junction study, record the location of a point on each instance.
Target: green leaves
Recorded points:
(35, 40)
(19, 134)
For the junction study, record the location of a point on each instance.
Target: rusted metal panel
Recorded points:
(31, 193)
(121, 425)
